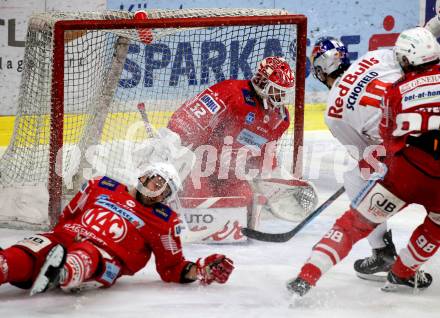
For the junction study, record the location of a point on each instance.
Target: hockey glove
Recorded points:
(215, 267)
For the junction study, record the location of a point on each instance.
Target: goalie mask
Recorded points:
(415, 47)
(274, 82)
(329, 58)
(167, 185)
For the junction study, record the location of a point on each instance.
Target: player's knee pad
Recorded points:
(82, 261)
(89, 266)
(36, 246)
(92, 252)
(376, 203)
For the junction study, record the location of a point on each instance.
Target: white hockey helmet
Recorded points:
(418, 46)
(165, 170)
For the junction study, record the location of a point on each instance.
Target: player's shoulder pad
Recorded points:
(108, 183)
(163, 212)
(230, 87)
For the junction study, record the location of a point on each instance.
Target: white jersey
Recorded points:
(353, 107)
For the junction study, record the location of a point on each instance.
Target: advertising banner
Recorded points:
(13, 25)
(361, 25)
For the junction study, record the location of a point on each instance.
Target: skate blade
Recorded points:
(390, 287)
(54, 259)
(373, 277)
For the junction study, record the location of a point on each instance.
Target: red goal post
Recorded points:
(64, 32)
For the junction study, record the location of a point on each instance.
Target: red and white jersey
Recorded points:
(411, 107)
(229, 108)
(104, 213)
(353, 108)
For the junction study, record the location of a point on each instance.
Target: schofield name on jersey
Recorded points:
(129, 216)
(347, 82)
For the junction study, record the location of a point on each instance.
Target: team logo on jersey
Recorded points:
(108, 183)
(131, 203)
(105, 222)
(249, 97)
(250, 118)
(210, 104)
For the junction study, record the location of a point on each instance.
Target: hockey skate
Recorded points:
(377, 266)
(420, 280)
(298, 287)
(49, 275)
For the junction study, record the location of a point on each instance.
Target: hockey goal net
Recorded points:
(85, 74)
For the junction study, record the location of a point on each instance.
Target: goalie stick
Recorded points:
(189, 236)
(284, 237)
(148, 128)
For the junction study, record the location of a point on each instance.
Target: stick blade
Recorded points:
(267, 237)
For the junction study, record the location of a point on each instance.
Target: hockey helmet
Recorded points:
(418, 46)
(274, 82)
(329, 57)
(168, 173)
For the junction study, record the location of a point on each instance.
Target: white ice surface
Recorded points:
(256, 288)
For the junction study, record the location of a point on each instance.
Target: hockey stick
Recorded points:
(148, 128)
(189, 236)
(284, 237)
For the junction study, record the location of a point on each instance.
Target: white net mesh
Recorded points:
(106, 74)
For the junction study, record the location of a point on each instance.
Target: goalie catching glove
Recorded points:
(215, 267)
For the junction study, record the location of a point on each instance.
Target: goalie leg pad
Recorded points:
(290, 200)
(214, 225)
(335, 245)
